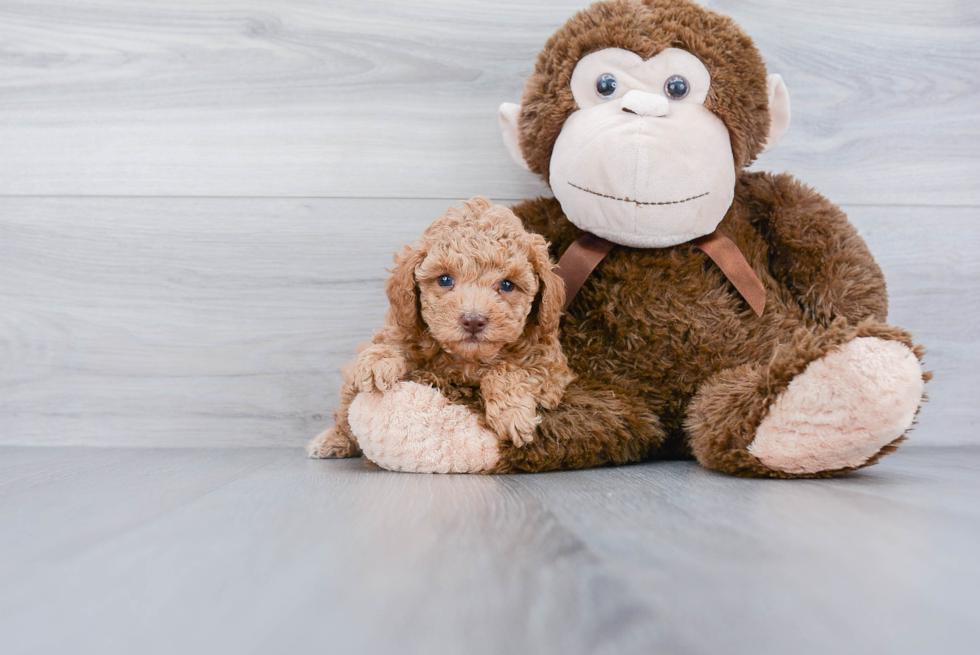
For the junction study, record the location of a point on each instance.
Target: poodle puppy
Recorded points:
(474, 305)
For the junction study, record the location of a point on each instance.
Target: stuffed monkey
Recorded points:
(731, 316)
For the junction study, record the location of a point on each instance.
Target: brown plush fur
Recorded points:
(664, 332)
(515, 361)
(671, 360)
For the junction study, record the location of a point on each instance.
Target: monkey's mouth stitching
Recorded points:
(637, 202)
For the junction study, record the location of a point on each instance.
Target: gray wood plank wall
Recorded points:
(198, 198)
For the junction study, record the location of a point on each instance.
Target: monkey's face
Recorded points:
(642, 162)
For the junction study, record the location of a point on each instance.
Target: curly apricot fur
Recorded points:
(516, 362)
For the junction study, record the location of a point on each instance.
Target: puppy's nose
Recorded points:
(473, 323)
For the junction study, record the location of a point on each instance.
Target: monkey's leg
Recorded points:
(414, 427)
(594, 425)
(828, 402)
(338, 441)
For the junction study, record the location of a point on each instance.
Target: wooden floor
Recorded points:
(263, 551)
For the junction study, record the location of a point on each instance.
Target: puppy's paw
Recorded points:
(523, 429)
(332, 444)
(515, 423)
(375, 371)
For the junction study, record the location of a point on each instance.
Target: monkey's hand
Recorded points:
(511, 405)
(378, 368)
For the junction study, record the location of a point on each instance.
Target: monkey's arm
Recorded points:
(814, 250)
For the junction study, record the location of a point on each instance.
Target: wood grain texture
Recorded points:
(261, 550)
(384, 98)
(204, 322)
(221, 320)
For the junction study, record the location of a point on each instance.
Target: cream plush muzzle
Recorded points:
(637, 197)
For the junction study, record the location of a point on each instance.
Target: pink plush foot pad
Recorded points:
(842, 409)
(413, 428)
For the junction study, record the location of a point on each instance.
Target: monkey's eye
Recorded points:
(446, 281)
(677, 87)
(507, 286)
(606, 85)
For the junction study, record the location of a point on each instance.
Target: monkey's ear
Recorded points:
(779, 113)
(508, 125)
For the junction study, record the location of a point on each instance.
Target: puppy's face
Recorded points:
(476, 303)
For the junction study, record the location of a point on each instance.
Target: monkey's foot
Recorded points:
(413, 428)
(843, 409)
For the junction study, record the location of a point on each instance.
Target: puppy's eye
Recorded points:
(606, 85)
(677, 87)
(507, 286)
(446, 281)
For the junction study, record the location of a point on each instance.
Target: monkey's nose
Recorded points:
(645, 104)
(473, 323)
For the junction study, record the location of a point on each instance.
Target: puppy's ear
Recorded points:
(402, 291)
(547, 313)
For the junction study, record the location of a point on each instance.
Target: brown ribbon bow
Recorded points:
(581, 258)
